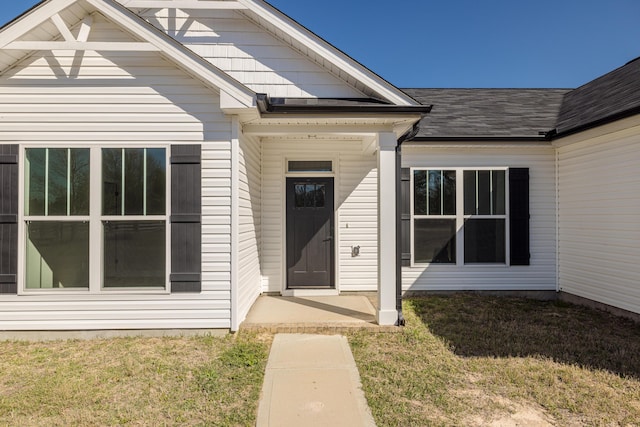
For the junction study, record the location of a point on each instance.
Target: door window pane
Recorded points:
(484, 241)
(134, 254)
(300, 193)
(57, 255)
(309, 196)
(435, 241)
(319, 196)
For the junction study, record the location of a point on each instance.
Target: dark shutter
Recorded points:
(405, 225)
(519, 215)
(8, 219)
(186, 219)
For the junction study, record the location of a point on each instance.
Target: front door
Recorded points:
(310, 242)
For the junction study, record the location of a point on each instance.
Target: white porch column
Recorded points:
(387, 313)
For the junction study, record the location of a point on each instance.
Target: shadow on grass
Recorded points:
(481, 326)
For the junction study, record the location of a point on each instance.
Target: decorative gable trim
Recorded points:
(235, 93)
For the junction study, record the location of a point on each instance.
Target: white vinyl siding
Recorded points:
(541, 274)
(599, 211)
(114, 99)
(356, 203)
(249, 53)
(249, 224)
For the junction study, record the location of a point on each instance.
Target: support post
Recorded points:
(387, 313)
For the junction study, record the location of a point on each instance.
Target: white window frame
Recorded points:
(95, 219)
(460, 216)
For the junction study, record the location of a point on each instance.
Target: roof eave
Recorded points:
(483, 138)
(562, 133)
(266, 108)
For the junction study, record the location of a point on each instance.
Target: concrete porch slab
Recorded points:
(312, 314)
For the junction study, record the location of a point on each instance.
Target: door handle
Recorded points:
(328, 239)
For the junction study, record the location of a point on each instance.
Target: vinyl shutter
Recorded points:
(405, 218)
(519, 215)
(8, 219)
(186, 219)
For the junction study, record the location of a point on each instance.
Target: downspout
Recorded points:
(407, 136)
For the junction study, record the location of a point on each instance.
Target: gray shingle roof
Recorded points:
(488, 113)
(604, 99)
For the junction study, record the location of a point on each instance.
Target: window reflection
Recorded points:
(57, 181)
(309, 196)
(133, 181)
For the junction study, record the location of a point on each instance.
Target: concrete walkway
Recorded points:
(312, 380)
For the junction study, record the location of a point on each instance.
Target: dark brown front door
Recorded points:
(310, 242)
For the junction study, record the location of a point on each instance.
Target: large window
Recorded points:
(459, 216)
(57, 218)
(79, 239)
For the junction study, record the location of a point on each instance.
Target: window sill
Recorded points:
(87, 292)
(480, 265)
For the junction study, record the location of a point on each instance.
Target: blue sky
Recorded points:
(469, 43)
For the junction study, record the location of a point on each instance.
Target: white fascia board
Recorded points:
(231, 105)
(175, 51)
(329, 52)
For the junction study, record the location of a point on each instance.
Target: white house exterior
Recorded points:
(163, 163)
(599, 207)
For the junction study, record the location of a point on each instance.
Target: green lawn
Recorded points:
(461, 361)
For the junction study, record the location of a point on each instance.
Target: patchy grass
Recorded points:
(133, 381)
(475, 360)
(463, 360)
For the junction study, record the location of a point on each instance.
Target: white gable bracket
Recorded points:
(176, 52)
(62, 27)
(85, 29)
(75, 45)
